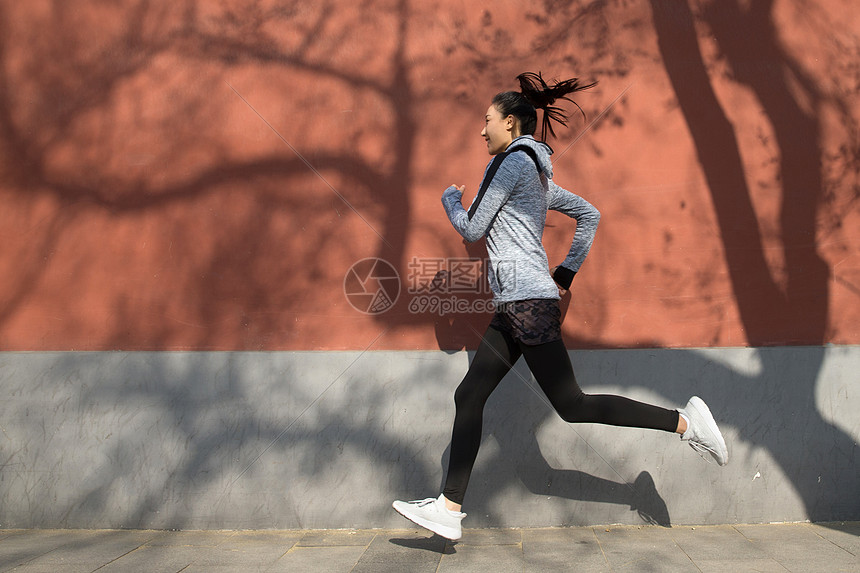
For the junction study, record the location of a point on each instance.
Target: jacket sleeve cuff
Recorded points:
(450, 198)
(563, 276)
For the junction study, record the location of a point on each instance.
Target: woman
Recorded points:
(510, 210)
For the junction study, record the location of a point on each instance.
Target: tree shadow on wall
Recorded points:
(192, 441)
(771, 313)
(119, 119)
(126, 126)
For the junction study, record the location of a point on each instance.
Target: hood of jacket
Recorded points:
(541, 149)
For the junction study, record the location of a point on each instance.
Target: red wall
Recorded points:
(196, 175)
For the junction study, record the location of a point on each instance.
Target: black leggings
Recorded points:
(550, 364)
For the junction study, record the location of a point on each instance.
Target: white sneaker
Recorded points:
(702, 431)
(433, 515)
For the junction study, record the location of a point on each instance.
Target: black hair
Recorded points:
(535, 94)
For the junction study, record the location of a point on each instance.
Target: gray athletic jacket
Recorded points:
(512, 212)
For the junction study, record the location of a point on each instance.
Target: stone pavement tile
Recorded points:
(237, 567)
(845, 535)
(263, 538)
(156, 558)
(562, 549)
(252, 549)
(740, 566)
(25, 545)
(648, 548)
(394, 567)
(715, 543)
(191, 538)
(491, 537)
(398, 551)
(799, 547)
(69, 551)
(259, 558)
(473, 558)
(330, 559)
(35, 568)
(418, 539)
(336, 537)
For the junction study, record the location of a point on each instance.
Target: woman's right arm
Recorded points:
(587, 217)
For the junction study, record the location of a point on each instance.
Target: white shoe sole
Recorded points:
(447, 532)
(705, 413)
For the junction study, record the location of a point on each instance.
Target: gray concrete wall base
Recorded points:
(307, 440)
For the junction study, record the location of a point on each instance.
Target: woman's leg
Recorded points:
(550, 364)
(495, 357)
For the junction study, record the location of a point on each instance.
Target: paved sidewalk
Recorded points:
(785, 547)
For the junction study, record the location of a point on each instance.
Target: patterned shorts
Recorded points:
(532, 322)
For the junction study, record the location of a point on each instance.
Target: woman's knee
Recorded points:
(469, 395)
(574, 409)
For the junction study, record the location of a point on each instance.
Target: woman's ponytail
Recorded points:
(536, 94)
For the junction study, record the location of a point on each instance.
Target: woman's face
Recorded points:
(497, 131)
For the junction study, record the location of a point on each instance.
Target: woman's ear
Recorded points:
(513, 126)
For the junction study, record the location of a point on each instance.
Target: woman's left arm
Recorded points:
(475, 223)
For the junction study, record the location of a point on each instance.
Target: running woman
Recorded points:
(510, 211)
